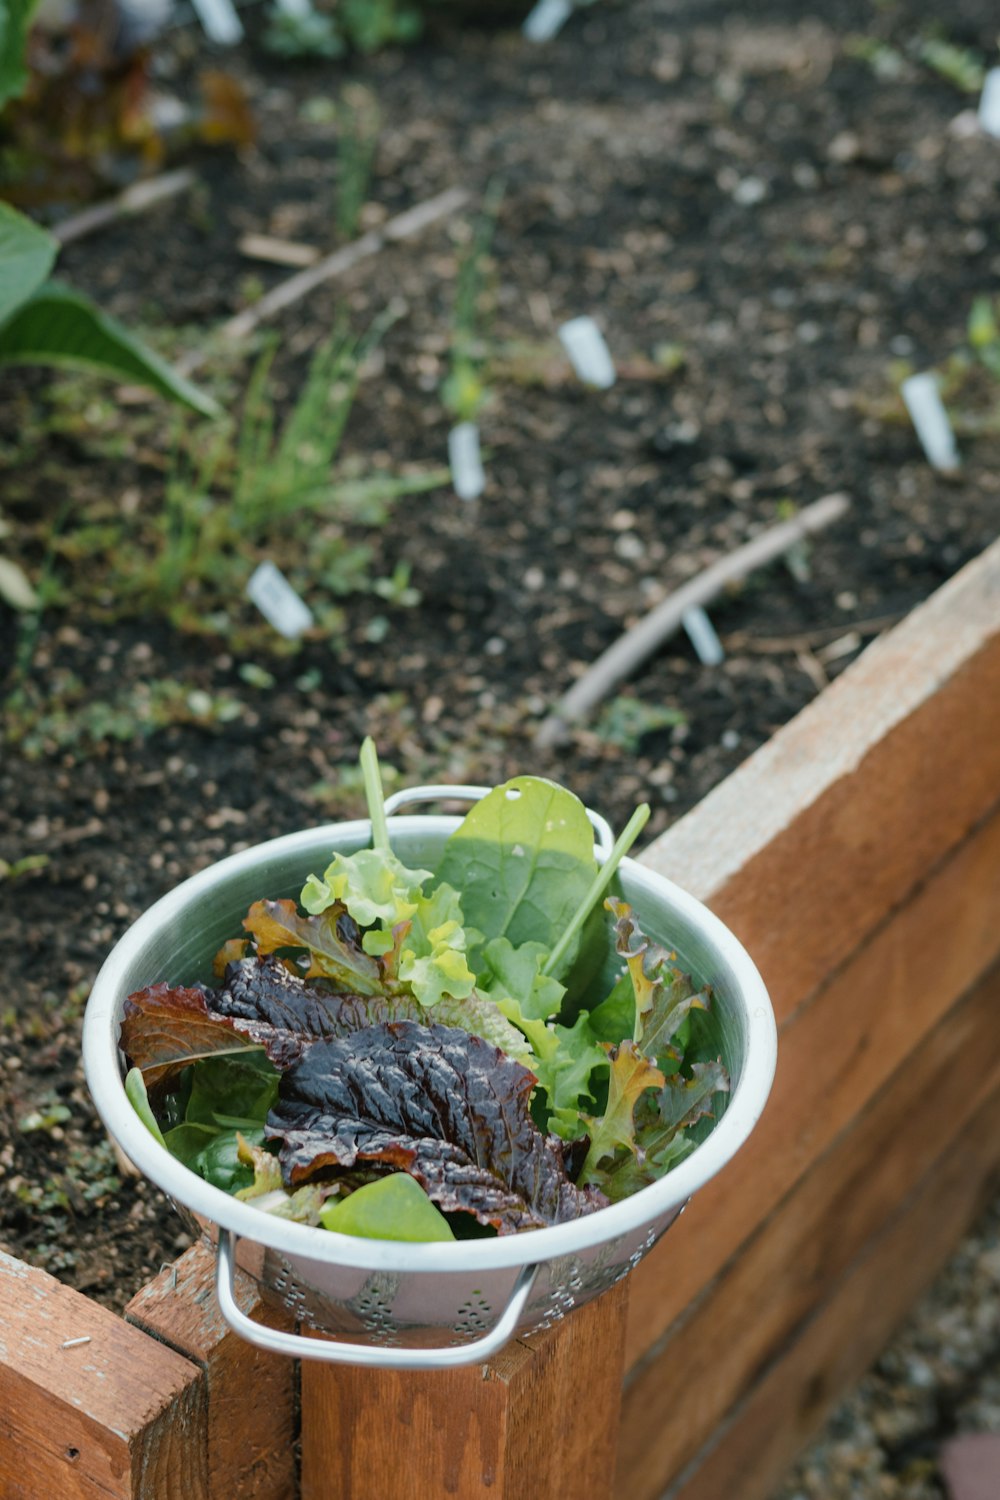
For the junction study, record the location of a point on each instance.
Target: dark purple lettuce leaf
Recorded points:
(434, 1101)
(265, 992)
(262, 1003)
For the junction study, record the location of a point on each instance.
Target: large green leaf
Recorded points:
(15, 20)
(27, 252)
(59, 326)
(523, 861)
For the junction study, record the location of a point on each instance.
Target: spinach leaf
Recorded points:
(393, 1208)
(523, 860)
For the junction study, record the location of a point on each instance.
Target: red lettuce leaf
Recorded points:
(434, 1101)
(332, 940)
(167, 1027)
(262, 1004)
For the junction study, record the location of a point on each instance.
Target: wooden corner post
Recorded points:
(539, 1420)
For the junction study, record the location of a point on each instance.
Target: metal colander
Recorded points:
(417, 1306)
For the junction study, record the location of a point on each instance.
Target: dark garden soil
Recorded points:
(763, 212)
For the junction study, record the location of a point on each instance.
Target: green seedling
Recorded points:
(357, 143)
(624, 721)
(26, 865)
(464, 391)
(960, 66)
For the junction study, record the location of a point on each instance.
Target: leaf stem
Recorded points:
(373, 795)
(602, 880)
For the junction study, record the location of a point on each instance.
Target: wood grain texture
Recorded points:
(522, 1425)
(251, 1441)
(678, 1395)
(750, 1452)
(118, 1416)
(808, 845)
(833, 1058)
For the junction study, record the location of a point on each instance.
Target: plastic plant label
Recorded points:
(466, 464)
(588, 353)
(930, 421)
(702, 635)
(219, 21)
(546, 20)
(278, 602)
(989, 103)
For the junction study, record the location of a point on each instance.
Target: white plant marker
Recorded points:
(702, 635)
(588, 353)
(989, 103)
(278, 602)
(219, 21)
(467, 473)
(296, 8)
(546, 20)
(930, 421)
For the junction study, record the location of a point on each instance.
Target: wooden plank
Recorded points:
(750, 1453)
(252, 1420)
(119, 1415)
(711, 1355)
(541, 1420)
(832, 1059)
(808, 845)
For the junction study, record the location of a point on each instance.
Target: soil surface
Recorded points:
(766, 215)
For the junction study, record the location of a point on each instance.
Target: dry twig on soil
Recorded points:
(134, 200)
(402, 227)
(653, 629)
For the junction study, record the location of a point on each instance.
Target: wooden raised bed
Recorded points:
(857, 855)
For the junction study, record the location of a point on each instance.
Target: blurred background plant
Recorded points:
(80, 110)
(464, 389)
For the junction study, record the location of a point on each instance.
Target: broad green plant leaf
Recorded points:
(232, 1093)
(213, 1154)
(394, 1208)
(15, 23)
(372, 884)
(27, 252)
(58, 326)
(523, 860)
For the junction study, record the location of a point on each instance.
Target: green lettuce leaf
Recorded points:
(640, 1135)
(631, 1075)
(419, 940)
(663, 996)
(661, 1120)
(394, 1208)
(517, 974)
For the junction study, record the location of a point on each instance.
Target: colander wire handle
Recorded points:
(604, 838)
(374, 1356)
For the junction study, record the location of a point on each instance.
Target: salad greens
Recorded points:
(406, 1054)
